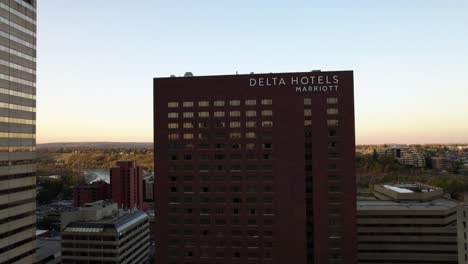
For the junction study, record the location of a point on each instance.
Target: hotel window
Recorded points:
(187, 104)
(203, 103)
(307, 122)
(173, 136)
(188, 125)
(218, 103)
(267, 102)
(267, 123)
(172, 125)
(250, 102)
(203, 114)
(250, 135)
(267, 112)
(235, 135)
(234, 124)
(234, 102)
(332, 122)
(218, 114)
(332, 111)
(267, 145)
(332, 100)
(307, 112)
(202, 125)
(188, 136)
(220, 124)
(251, 124)
(187, 114)
(203, 136)
(250, 146)
(172, 104)
(307, 101)
(172, 115)
(251, 113)
(235, 113)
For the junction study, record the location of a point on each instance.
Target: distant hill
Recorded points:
(96, 145)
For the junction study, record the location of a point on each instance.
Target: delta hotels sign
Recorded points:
(313, 83)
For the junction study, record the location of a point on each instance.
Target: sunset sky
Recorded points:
(96, 60)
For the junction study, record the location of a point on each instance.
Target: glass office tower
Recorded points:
(17, 130)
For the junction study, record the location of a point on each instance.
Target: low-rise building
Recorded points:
(101, 233)
(404, 155)
(91, 192)
(410, 223)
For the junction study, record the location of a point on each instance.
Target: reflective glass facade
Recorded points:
(17, 130)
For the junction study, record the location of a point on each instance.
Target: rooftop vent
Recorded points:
(172, 75)
(188, 74)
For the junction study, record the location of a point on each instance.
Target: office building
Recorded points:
(17, 130)
(410, 223)
(127, 184)
(255, 168)
(101, 233)
(148, 189)
(91, 192)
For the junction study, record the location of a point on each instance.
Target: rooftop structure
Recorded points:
(407, 191)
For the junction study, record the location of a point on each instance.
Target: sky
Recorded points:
(97, 59)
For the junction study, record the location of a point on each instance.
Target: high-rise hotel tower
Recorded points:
(255, 168)
(17, 130)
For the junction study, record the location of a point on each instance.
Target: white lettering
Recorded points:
(253, 82)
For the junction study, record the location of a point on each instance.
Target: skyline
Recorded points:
(414, 53)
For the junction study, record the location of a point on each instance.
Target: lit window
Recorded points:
(267, 123)
(203, 114)
(187, 114)
(250, 124)
(307, 101)
(267, 102)
(332, 111)
(234, 102)
(267, 112)
(203, 103)
(307, 112)
(187, 104)
(332, 122)
(250, 135)
(250, 146)
(218, 103)
(251, 113)
(250, 102)
(307, 122)
(172, 115)
(188, 136)
(188, 125)
(172, 104)
(172, 125)
(219, 114)
(173, 136)
(234, 124)
(332, 100)
(235, 113)
(235, 135)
